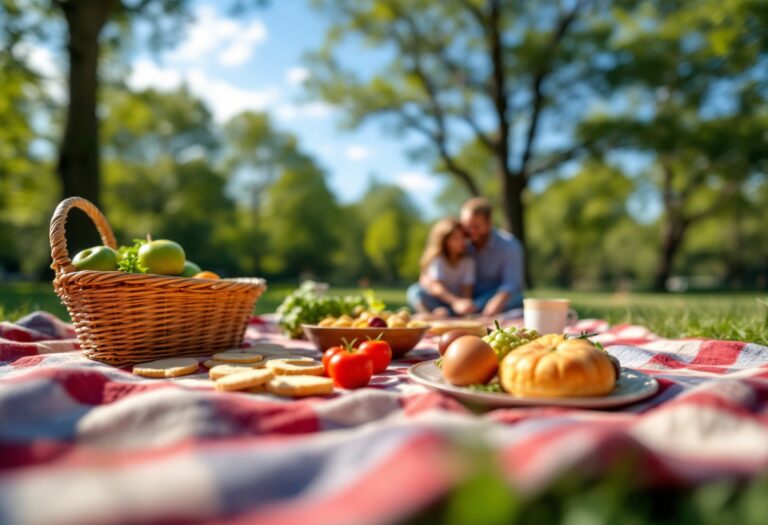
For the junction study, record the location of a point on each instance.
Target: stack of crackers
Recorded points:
(260, 368)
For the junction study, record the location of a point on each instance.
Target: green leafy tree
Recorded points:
(148, 136)
(301, 221)
(410, 264)
(393, 231)
(27, 187)
(256, 154)
(384, 239)
(92, 28)
(687, 88)
(460, 70)
(569, 221)
(159, 179)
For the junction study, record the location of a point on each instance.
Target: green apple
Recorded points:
(190, 269)
(162, 257)
(100, 258)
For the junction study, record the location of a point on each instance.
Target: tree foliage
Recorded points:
(687, 85)
(457, 71)
(635, 141)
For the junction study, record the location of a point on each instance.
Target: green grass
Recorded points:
(741, 316)
(730, 315)
(484, 497)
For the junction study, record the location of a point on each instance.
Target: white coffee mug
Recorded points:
(546, 316)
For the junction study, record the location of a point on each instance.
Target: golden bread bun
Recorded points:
(553, 366)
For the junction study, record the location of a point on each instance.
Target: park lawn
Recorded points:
(739, 316)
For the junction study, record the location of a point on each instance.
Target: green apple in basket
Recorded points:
(100, 258)
(162, 257)
(190, 269)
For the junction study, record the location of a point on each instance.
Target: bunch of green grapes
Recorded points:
(503, 341)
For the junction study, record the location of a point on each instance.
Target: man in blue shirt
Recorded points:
(498, 267)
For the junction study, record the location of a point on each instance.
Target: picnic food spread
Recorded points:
(553, 366)
(442, 326)
(469, 360)
(272, 368)
(306, 306)
(172, 367)
(159, 257)
(372, 319)
(521, 363)
(125, 315)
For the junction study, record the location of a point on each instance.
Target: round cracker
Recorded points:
(237, 357)
(226, 369)
(300, 386)
(171, 367)
(294, 367)
(244, 380)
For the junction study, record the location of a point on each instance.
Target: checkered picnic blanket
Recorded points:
(82, 442)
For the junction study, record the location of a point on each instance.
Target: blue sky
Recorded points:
(255, 62)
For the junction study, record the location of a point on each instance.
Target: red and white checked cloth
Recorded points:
(82, 442)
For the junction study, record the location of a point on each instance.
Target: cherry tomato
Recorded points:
(380, 353)
(350, 369)
(328, 354)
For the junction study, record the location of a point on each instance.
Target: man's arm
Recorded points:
(495, 304)
(511, 281)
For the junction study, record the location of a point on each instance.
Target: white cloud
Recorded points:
(240, 49)
(296, 75)
(43, 62)
(225, 100)
(357, 152)
(147, 74)
(310, 110)
(40, 59)
(232, 41)
(417, 182)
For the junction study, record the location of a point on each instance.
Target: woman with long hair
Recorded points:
(447, 272)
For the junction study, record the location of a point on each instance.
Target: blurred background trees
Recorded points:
(575, 118)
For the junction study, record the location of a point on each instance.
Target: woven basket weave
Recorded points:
(124, 318)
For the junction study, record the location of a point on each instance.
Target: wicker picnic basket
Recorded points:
(124, 318)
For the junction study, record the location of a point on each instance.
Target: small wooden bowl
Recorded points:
(400, 339)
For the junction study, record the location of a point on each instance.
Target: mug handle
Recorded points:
(572, 318)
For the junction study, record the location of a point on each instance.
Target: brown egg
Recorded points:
(469, 360)
(450, 336)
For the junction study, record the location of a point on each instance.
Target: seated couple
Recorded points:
(469, 267)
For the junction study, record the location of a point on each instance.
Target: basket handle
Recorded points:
(57, 234)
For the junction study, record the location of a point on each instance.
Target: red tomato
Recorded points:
(350, 369)
(328, 354)
(380, 353)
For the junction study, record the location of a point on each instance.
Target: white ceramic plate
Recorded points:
(632, 386)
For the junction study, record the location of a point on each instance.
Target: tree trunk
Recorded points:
(513, 185)
(78, 166)
(671, 240)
